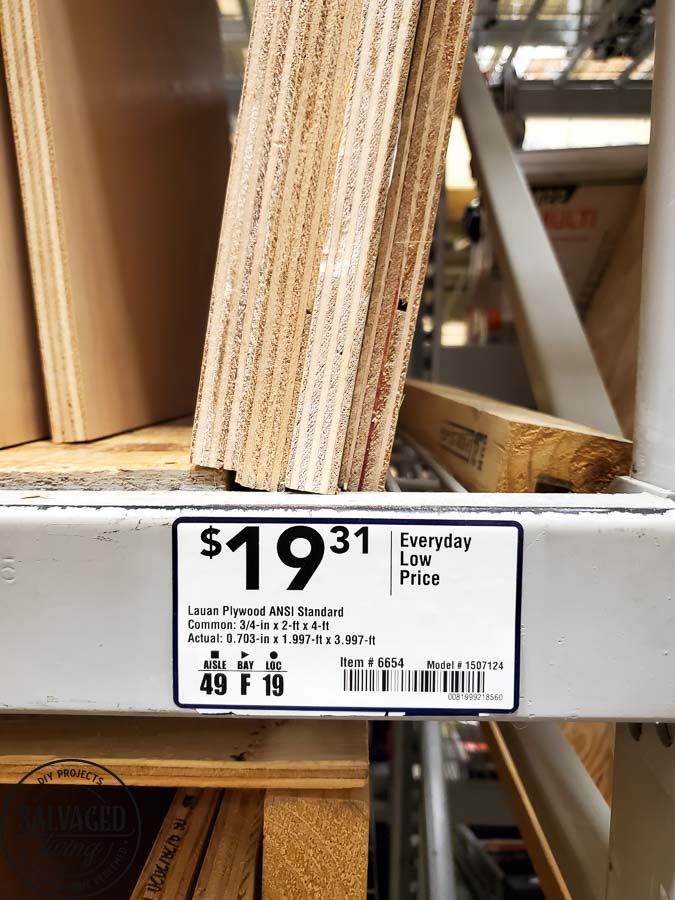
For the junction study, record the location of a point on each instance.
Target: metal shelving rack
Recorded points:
(85, 576)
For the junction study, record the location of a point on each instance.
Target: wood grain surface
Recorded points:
(193, 752)
(430, 102)
(230, 869)
(23, 412)
(173, 864)
(122, 141)
(594, 744)
(493, 446)
(613, 319)
(315, 845)
(152, 458)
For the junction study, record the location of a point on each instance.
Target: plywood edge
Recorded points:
(216, 432)
(249, 776)
(446, 54)
(379, 311)
(230, 867)
(340, 310)
(23, 414)
(173, 864)
(44, 222)
(316, 140)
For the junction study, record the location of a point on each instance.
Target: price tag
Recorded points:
(370, 615)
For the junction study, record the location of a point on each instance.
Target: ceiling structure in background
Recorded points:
(567, 57)
(541, 57)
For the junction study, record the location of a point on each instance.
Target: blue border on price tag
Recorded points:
(377, 712)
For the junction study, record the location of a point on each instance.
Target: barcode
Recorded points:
(421, 681)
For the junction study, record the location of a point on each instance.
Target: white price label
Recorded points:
(365, 615)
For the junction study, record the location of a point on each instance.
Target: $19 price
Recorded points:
(290, 546)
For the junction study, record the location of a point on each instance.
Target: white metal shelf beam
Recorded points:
(86, 596)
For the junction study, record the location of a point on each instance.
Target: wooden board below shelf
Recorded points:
(230, 867)
(172, 866)
(193, 752)
(594, 744)
(315, 845)
(543, 858)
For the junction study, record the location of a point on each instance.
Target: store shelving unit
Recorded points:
(86, 571)
(86, 595)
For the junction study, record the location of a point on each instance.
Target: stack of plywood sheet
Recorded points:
(22, 404)
(335, 178)
(121, 133)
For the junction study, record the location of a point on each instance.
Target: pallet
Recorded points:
(193, 752)
(276, 808)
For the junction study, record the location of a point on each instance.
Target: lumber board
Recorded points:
(173, 864)
(430, 103)
(493, 446)
(613, 319)
(315, 845)
(122, 138)
(359, 196)
(193, 752)
(594, 744)
(153, 458)
(230, 867)
(23, 413)
(543, 858)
